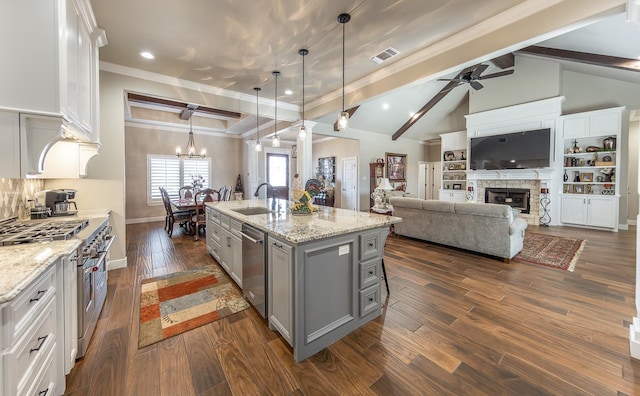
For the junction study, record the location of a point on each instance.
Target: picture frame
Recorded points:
(448, 156)
(396, 167)
(457, 186)
(577, 189)
(586, 177)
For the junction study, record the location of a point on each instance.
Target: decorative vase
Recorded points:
(576, 179)
(566, 177)
(609, 143)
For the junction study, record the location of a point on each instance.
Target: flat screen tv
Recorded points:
(519, 150)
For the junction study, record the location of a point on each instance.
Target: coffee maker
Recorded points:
(59, 202)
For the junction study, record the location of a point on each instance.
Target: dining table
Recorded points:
(184, 204)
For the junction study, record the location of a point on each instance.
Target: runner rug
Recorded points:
(174, 303)
(551, 251)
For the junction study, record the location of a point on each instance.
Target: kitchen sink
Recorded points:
(253, 211)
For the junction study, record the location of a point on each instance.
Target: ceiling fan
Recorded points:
(472, 77)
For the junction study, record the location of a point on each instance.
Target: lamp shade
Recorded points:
(383, 184)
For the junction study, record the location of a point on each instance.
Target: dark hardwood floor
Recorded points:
(455, 324)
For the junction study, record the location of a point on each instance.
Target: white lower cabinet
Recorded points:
(452, 196)
(225, 244)
(30, 340)
(590, 210)
(280, 299)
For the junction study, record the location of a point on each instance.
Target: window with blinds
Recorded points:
(172, 173)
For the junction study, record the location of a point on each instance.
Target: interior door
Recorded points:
(278, 174)
(349, 192)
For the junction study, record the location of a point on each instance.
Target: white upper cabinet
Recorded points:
(50, 62)
(594, 123)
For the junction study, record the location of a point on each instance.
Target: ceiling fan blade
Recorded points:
(476, 85)
(450, 79)
(498, 74)
(478, 71)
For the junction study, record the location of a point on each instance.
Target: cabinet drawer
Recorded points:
(224, 221)
(369, 273)
(21, 310)
(45, 381)
(25, 359)
(369, 300)
(213, 215)
(369, 245)
(236, 227)
(216, 234)
(215, 250)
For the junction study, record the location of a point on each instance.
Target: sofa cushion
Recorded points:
(438, 206)
(484, 209)
(410, 203)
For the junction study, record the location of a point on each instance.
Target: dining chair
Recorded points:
(185, 192)
(227, 193)
(183, 217)
(199, 219)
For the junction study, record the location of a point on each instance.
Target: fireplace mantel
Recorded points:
(511, 174)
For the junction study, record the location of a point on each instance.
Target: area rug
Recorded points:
(551, 251)
(174, 303)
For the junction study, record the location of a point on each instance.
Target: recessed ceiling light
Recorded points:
(147, 55)
(385, 106)
(288, 92)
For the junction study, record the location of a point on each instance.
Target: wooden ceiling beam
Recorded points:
(182, 105)
(431, 103)
(584, 57)
(505, 61)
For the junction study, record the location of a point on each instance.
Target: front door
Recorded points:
(278, 174)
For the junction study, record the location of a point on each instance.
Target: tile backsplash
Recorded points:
(13, 196)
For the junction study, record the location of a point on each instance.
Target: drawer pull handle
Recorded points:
(44, 392)
(42, 340)
(39, 294)
(277, 245)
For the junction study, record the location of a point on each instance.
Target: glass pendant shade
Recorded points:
(302, 132)
(343, 121)
(275, 141)
(258, 147)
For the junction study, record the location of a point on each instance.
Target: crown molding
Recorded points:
(194, 86)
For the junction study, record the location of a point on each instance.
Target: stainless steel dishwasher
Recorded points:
(254, 268)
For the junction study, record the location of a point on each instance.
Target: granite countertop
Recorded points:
(22, 264)
(326, 222)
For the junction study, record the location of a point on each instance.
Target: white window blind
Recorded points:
(164, 171)
(172, 173)
(196, 167)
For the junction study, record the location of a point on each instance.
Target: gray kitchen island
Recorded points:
(320, 275)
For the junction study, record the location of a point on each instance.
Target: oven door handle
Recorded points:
(94, 268)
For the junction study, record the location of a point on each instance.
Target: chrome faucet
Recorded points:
(274, 194)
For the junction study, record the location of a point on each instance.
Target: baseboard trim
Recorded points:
(115, 264)
(145, 220)
(632, 222)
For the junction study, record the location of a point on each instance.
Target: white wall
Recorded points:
(533, 79)
(634, 142)
(375, 145)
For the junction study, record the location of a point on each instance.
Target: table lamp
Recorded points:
(384, 186)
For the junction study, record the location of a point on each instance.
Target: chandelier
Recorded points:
(191, 150)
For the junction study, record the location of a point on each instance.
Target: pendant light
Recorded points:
(275, 141)
(343, 118)
(191, 149)
(302, 133)
(258, 146)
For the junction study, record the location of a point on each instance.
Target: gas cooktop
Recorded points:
(38, 231)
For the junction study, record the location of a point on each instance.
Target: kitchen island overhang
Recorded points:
(323, 269)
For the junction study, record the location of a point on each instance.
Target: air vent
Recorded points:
(385, 55)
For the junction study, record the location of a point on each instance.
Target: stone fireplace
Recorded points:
(532, 216)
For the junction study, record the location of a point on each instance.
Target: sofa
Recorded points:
(484, 228)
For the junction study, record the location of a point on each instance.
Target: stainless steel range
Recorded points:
(91, 274)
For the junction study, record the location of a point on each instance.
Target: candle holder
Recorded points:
(469, 195)
(545, 218)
